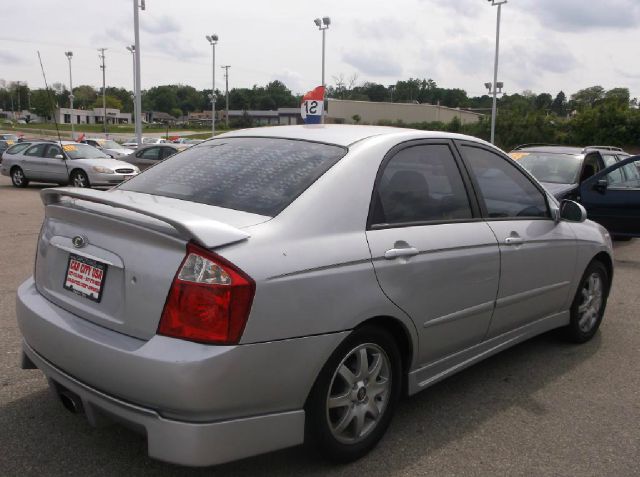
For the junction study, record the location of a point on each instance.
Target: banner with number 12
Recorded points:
(312, 107)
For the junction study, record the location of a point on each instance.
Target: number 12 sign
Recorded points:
(312, 107)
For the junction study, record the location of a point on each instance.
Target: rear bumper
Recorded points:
(179, 442)
(196, 392)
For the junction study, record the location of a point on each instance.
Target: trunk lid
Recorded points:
(141, 239)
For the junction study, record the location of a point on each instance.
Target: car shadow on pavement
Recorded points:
(39, 437)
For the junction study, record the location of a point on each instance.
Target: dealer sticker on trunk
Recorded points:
(85, 277)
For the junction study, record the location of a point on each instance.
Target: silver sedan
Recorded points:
(65, 162)
(285, 285)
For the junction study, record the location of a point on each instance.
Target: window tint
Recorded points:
(151, 153)
(257, 175)
(18, 148)
(37, 150)
(420, 184)
(53, 151)
(506, 191)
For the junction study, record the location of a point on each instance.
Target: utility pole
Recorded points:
(137, 91)
(323, 25)
(226, 79)
(104, 89)
(18, 91)
(494, 108)
(69, 55)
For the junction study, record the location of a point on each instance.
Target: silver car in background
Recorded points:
(288, 284)
(110, 147)
(65, 162)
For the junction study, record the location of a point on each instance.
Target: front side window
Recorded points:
(507, 192)
(53, 151)
(420, 184)
(256, 175)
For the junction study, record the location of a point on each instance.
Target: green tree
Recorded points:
(559, 104)
(84, 96)
(111, 101)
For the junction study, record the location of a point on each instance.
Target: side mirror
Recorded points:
(601, 186)
(572, 211)
(58, 156)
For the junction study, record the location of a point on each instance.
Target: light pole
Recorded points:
(226, 80)
(496, 3)
(323, 25)
(213, 39)
(137, 94)
(132, 50)
(103, 67)
(69, 55)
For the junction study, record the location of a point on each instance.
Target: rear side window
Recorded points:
(256, 175)
(420, 184)
(507, 192)
(18, 148)
(36, 151)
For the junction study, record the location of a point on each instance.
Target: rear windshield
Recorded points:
(256, 175)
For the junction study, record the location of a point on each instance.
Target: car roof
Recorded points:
(341, 134)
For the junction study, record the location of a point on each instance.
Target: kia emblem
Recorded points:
(79, 241)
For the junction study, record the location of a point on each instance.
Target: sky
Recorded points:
(546, 45)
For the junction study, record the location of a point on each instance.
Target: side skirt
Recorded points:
(425, 376)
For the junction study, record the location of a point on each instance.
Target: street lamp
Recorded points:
(213, 39)
(132, 50)
(69, 55)
(323, 25)
(137, 94)
(496, 3)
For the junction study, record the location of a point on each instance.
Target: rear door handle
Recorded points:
(513, 240)
(400, 252)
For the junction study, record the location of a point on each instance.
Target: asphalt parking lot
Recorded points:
(542, 408)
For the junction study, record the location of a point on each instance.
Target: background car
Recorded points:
(109, 147)
(154, 140)
(562, 170)
(147, 156)
(289, 283)
(65, 162)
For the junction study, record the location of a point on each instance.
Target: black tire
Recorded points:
(80, 179)
(586, 315)
(320, 435)
(18, 178)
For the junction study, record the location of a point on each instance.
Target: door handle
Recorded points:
(400, 252)
(513, 240)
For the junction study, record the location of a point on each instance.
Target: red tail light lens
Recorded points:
(209, 301)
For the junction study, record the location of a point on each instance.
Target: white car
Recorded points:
(65, 162)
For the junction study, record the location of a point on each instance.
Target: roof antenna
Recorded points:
(50, 100)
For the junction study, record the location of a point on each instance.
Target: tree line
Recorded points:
(589, 116)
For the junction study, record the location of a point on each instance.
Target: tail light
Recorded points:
(209, 300)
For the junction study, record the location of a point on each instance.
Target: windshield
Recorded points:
(109, 144)
(550, 167)
(83, 151)
(9, 137)
(256, 175)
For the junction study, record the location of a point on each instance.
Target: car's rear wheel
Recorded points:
(354, 397)
(18, 178)
(589, 303)
(79, 179)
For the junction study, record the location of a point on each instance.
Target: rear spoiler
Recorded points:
(207, 232)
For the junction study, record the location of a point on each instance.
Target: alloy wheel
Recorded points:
(359, 393)
(589, 308)
(79, 180)
(18, 177)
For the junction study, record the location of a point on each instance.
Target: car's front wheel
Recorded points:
(589, 303)
(18, 178)
(79, 179)
(354, 397)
